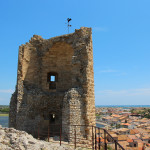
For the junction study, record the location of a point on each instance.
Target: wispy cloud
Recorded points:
(121, 74)
(108, 71)
(115, 72)
(104, 29)
(1, 99)
(7, 91)
(130, 92)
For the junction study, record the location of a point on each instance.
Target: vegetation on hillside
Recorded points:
(145, 113)
(4, 109)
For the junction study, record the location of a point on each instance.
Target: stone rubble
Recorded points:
(12, 139)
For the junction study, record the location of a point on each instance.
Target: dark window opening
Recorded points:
(52, 85)
(52, 78)
(52, 118)
(45, 115)
(134, 145)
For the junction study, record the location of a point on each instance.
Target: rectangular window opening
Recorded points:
(52, 78)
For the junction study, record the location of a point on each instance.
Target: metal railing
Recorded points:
(99, 139)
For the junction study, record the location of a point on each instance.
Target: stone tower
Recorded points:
(55, 84)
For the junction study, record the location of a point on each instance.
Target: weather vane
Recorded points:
(69, 19)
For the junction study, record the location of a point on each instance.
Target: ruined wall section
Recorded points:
(73, 114)
(71, 57)
(58, 60)
(90, 102)
(26, 79)
(83, 80)
(13, 110)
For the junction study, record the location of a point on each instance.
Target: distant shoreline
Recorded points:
(3, 115)
(106, 106)
(124, 106)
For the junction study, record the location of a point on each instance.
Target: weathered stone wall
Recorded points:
(72, 114)
(70, 97)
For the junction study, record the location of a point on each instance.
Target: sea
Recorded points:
(123, 106)
(4, 121)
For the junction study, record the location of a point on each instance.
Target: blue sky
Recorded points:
(121, 42)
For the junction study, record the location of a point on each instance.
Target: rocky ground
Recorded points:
(12, 139)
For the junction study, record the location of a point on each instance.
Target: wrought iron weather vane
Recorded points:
(69, 19)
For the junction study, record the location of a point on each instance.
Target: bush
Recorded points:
(4, 110)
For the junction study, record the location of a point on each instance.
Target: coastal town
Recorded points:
(129, 126)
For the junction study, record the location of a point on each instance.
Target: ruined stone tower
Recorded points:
(55, 84)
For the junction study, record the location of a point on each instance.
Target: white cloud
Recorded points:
(100, 29)
(108, 71)
(7, 91)
(115, 72)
